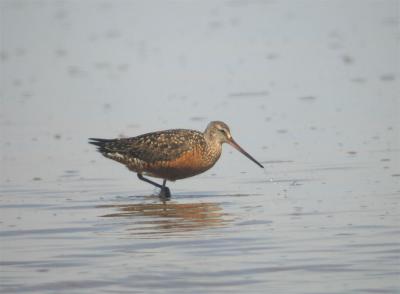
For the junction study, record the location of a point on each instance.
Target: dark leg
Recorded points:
(164, 193)
(140, 176)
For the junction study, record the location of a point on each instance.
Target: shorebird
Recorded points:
(171, 154)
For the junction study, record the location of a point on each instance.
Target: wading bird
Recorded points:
(172, 154)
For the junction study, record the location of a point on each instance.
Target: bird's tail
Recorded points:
(110, 148)
(100, 143)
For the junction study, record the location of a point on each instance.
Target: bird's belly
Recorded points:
(173, 174)
(187, 165)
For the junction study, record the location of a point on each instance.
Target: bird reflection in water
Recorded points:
(169, 217)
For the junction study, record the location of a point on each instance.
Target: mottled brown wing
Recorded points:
(151, 147)
(159, 146)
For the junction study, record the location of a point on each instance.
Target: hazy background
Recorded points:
(309, 88)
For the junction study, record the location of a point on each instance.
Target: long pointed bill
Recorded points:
(241, 150)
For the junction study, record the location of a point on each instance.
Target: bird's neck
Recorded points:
(214, 147)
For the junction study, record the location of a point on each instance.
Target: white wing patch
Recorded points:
(116, 155)
(132, 163)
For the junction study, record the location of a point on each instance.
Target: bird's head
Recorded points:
(218, 131)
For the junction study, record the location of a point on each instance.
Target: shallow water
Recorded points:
(310, 89)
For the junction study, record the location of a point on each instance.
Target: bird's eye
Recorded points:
(223, 131)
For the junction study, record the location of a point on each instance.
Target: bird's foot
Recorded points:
(165, 193)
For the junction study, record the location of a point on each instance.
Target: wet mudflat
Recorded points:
(311, 90)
